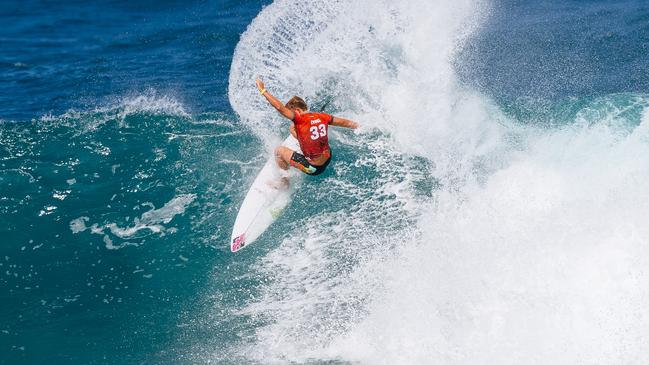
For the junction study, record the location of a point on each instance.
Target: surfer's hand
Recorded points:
(260, 85)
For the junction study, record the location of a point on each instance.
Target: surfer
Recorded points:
(310, 129)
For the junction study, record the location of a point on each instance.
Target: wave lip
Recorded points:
(385, 63)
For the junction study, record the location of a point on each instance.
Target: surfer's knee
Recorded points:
(282, 164)
(279, 157)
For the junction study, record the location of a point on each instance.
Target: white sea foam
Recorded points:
(79, 224)
(546, 263)
(530, 249)
(153, 220)
(150, 102)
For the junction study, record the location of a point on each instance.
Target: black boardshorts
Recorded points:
(299, 161)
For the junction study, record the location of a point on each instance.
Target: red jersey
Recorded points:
(311, 129)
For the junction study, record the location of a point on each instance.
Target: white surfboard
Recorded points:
(265, 201)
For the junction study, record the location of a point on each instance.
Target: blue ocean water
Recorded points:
(490, 209)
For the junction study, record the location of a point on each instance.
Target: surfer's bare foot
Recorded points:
(279, 184)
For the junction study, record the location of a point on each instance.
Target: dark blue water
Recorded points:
(59, 56)
(123, 164)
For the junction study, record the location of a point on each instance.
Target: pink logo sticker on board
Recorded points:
(238, 242)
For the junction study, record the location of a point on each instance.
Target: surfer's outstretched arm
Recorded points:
(342, 122)
(281, 108)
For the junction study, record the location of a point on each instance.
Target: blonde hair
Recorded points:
(297, 102)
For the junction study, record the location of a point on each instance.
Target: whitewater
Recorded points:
(526, 243)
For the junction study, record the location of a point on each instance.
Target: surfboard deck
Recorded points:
(265, 200)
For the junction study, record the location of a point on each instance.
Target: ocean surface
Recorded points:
(491, 209)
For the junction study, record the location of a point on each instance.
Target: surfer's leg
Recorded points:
(283, 157)
(292, 130)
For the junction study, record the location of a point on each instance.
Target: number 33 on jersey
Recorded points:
(318, 131)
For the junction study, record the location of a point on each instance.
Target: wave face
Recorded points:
(454, 231)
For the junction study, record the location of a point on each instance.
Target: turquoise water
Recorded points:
(491, 208)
